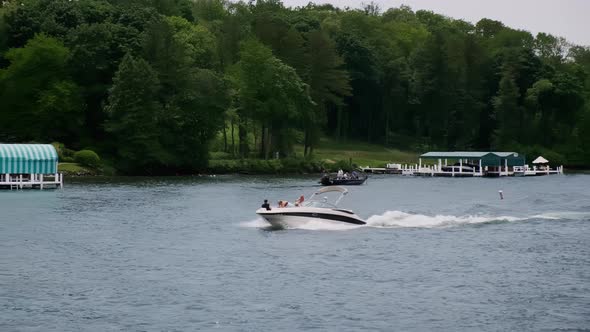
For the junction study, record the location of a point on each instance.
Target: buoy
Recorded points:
(501, 194)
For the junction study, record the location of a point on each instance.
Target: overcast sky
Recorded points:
(566, 18)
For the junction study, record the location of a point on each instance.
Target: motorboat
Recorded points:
(334, 180)
(316, 208)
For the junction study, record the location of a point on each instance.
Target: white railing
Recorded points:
(41, 181)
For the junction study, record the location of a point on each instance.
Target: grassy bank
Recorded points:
(330, 155)
(75, 169)
(361, 154)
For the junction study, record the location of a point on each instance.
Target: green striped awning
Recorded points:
(28, 159)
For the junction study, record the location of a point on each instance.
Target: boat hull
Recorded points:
(296, 217)
(342, 182)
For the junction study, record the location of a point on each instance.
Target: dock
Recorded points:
(469, 164)
(388, 169)
(29, 166)
(31, 181)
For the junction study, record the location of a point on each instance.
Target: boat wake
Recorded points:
(399, 219)
(391, 219)
(256, 223)
(403, 219)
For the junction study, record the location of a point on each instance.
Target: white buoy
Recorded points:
(501, 194)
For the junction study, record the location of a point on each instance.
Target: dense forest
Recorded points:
(152, 83)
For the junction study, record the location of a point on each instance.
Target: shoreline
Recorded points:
(210, 175)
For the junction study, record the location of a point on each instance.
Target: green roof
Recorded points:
(467, 154)
(28, 158)
(489, 158)
(454, 154)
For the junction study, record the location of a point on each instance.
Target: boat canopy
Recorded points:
(341, 190)
(28, 159)
(540, 160)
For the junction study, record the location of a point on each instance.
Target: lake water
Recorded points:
(186, 254)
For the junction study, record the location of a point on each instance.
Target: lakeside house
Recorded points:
(29, 166)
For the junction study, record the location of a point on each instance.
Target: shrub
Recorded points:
(259, 166)
(220, 155)
(87, 158)
(340, 165)
(59, 147)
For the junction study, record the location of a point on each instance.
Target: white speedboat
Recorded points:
(316, 208)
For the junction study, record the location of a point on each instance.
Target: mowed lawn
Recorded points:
(362, 154)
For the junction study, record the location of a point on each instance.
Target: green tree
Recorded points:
(506, 110)
(193, 96)
(35, 90)
(270, 92)
(96, 50)
(329, 85)
(134, 117)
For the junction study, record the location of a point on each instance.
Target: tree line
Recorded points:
(150, 83)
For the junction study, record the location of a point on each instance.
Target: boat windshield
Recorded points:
(319, 204)
(328, 197)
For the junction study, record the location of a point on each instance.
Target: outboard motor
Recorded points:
(325, 180)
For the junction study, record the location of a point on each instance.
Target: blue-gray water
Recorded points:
(186, 254)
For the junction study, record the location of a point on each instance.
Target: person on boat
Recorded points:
(283, 204)
(265, 205)
(355, 175)
(340, 174)
(299, 201)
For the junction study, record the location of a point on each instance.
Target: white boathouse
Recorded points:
(29, 166)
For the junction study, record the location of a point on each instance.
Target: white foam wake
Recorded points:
(312, 225)
(566, 215)
(256, 223)
(403, 219)
(319, 225)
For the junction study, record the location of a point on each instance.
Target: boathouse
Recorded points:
(29, 166)
(472, 163)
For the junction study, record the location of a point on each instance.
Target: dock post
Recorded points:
(460, 165)
(41, 181)
(506, 166)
